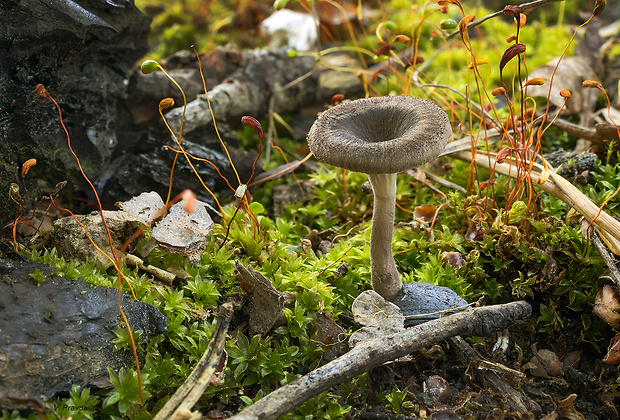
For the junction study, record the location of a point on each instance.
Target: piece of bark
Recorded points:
(250, 90)
(518, 401)
(373, 353)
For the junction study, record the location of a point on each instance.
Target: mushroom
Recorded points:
(380, 137)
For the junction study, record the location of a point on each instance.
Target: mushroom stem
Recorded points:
(384, 274)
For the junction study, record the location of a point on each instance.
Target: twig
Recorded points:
(163, 275)
(600, 133)
(373, 353)
(590, 234)
(524, 7)
(517, 399)
(383, 416)
(185, 397)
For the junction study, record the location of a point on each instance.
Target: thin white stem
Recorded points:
(384, 274)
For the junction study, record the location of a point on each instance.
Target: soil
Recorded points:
(593, 384)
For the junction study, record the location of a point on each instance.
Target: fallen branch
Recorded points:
(373, 353)
(523, 8)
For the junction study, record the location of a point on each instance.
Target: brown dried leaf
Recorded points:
(218, 376)
(266, 302)
(613, 351)
(474, 232)
(425, 212)
(567, 411)
(379, 317)
(453, 259)
(607, 305)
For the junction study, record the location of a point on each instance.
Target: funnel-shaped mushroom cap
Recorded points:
(379, 135)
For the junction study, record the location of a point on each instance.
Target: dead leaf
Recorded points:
(453, 259)
(218, 376)
(266, 302)
(475, 231)
(144, 207)
(329, 335)
(544, 363)
(566, 410)
(378, 316)
(182, 233)
(607, 305)
(425, 213)
(613, 351)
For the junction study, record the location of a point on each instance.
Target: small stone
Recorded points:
(422, 302)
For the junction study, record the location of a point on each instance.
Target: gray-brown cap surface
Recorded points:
(387, 134)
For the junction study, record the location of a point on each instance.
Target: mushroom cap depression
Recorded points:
(387, 134)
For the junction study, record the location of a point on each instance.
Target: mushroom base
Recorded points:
(384, 274)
